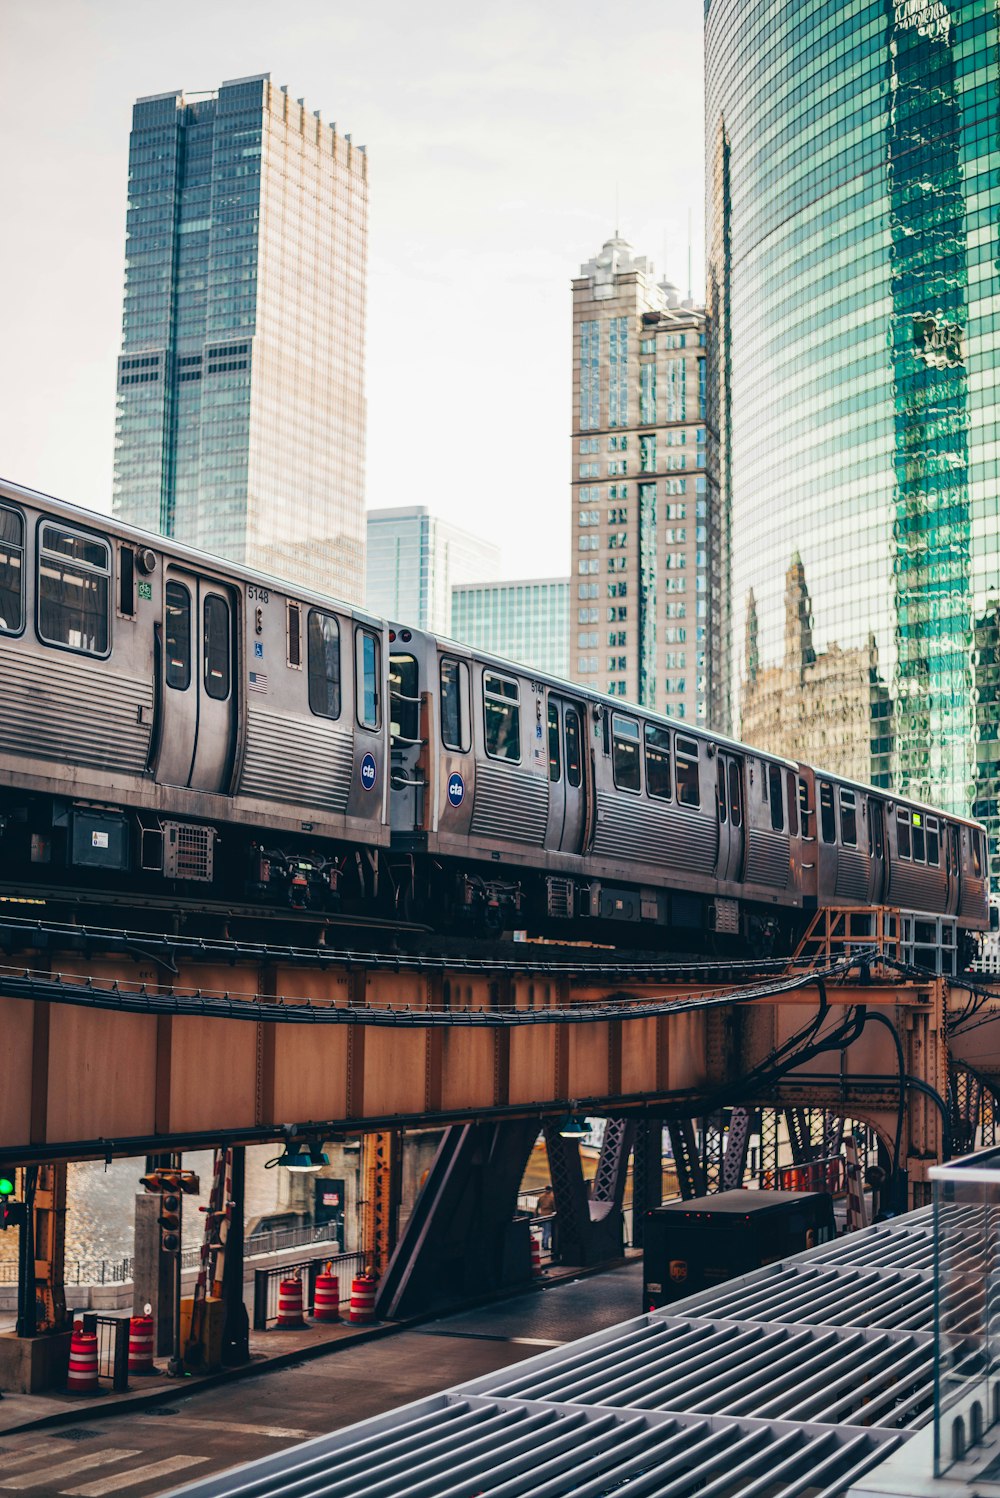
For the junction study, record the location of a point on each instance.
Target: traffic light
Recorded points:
(6, 1192)
(170, 1223)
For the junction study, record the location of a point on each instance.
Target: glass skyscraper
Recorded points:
(414, 561)
(854, 292)
(241, 409)
(525, 621)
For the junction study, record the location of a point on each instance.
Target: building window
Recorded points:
(74, 591)
(589, 445)
(617, 466)
(501, 706)
(647, 395)
(11, 571)
(647, 454)
(647, 346)
(590, 375)
(323, 658)
(618, 372)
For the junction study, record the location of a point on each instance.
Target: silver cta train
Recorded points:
(175, 724)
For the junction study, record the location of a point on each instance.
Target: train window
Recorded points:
(178, 637)
(74, 590)
(720, 793)
(293, 635)
(933, 843)
(217, 649)
(876, 845)
(501, 706)
(555, 766)
(903, 832)
(574, 765)
(735, 794)
(367, 661)
(793, 805)
(805, 810)
(658, 780)
(11, 571)
(404, 700)
(126, 582)
(977, 857)
(917, 824)
(777, 810)
(848, 819)
(323, 659)
(625, 753)
(686, 769)
(828, 826)
(454, 705)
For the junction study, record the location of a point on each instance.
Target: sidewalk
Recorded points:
(270, 1349)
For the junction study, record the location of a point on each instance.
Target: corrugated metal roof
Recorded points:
(803, 1375)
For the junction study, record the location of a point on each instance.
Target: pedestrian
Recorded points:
(546, 1204)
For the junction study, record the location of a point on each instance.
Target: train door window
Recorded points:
(74, 591)
(367, 657)
(126, 582)
(574, 764)
(977, 857)
(933, 843)
(735, 794)
(404, 699)
(658, 779)
(555, 765)
(323, 659)
(805, 810)
(217, 648)
(876, 842)
(501, 706)
(917, 825)
(11, 571)
(455, 705)
(686, 770)
(625, 753)
(721, 797)
(777, 810)
(848, 819)
(793, 804)
(293, 635)
(903, 832)
(178, 637)
(828, 826)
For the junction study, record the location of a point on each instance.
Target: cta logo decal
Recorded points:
(456, 790)
(369, 772)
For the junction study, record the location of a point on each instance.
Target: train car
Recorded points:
(168, 716)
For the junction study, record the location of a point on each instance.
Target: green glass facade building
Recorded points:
(241, 407)
(854, 285)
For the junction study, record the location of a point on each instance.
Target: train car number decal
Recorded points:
(456, 789)
(369, 772)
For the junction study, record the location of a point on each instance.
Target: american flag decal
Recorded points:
(258, 681)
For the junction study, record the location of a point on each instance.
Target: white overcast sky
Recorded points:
(499, 137)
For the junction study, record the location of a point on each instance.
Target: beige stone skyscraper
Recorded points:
(642, 515)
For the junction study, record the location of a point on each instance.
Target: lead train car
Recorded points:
(555, 803)
(165, 714)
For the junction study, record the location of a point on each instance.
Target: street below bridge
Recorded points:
(145, 1449)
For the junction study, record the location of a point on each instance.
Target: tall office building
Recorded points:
(414, 561)
(525, 621)
(854, 293)
(241, 407)
(641, 625)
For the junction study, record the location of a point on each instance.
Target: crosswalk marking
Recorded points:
(237, 1427)
(26, 1456)
(52, 1476)
(119, 1480)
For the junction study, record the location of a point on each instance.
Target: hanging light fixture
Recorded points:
(301, 1156)
(574, 1126)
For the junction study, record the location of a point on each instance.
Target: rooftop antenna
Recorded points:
(690, 294)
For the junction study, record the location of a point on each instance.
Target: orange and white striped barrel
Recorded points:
(536, 1253)
(140, 1345)
(290, 1305)
(82, 1376)
(326, 1301)
(363, 1299)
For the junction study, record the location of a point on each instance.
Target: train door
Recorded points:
(408, 788)
(729, 802)
(197, 692)
(567, 789)
(876, 851)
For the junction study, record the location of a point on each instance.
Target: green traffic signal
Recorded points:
(6, 1186)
